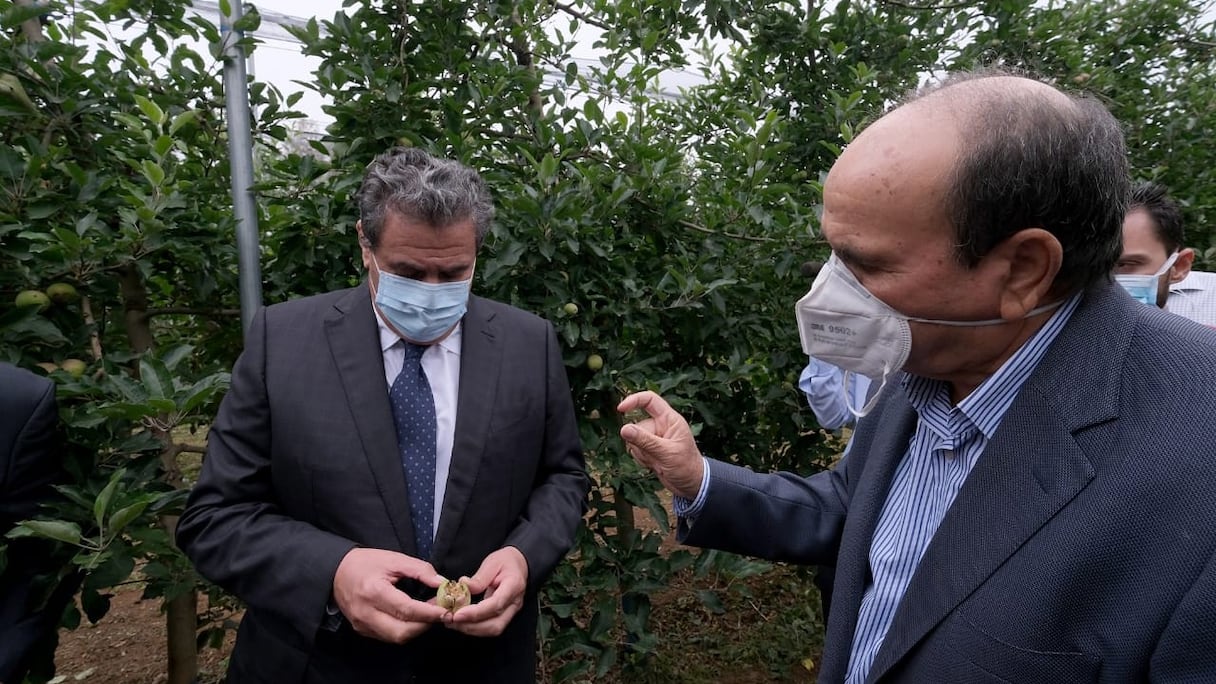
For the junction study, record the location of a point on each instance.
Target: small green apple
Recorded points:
(62, 293)
(32, 298)
(595, 362)
(570, 308)
(75, 367)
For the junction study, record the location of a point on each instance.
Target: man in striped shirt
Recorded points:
(1021, 505)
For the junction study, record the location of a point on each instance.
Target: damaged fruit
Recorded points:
(452, 595)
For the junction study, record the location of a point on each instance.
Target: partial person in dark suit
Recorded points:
(1031, 498)
(31, 461)
(377, 438)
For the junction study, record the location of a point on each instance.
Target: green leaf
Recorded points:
(153, 172)
(604, 619)
(162, 145)
(115, 567)
(548, 168)
(123, 517)
(175, 355)
(94, 603)
(659, 513)
(17, 315)
(102, 504)
(131, 122)
(41, 211)
(183, 119)
(156, 378)
(151, 110)
(59, 530)
(37, 328)
(591, 110)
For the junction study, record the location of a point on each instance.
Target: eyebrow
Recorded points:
(851, 256)
(402, 266)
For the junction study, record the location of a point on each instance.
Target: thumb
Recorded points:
(480, 579)
(642, 439)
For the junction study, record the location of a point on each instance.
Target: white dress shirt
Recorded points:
(1194, 297)
(441, 363)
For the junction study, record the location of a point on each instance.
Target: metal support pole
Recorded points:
(240, 160)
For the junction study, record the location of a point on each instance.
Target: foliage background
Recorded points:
(676, 226)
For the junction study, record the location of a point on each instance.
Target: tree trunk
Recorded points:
(135, 309)
(30, 28)
(181, 612)
(181, 623)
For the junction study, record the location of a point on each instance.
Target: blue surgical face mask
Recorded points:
(1144, 288)
(420, 312)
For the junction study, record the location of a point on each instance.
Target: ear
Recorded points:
(1182, 265)
(1033, 257)
(364, 246)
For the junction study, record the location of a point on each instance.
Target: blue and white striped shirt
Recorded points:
(947, 444)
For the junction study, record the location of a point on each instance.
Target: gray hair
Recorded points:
(412, 183)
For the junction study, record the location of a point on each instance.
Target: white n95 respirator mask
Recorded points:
(841, 323)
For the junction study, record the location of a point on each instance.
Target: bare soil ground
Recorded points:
(127, 646)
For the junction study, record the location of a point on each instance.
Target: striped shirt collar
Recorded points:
(984, 407)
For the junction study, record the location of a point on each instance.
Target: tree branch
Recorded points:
(86, 311)
(908, 5)
(702, 229)
(1196, 43)
(580, 16)
(185, 310)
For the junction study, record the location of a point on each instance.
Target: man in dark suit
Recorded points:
(30, 461)
(377, 438)
(1031, 499)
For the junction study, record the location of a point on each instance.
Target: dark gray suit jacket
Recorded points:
(1081, 547)
(302, 465)
(30, 461)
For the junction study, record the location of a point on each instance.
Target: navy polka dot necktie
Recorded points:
(414, 414)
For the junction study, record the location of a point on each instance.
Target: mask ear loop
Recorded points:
(869, 405)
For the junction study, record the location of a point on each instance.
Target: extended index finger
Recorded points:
(399, 605)
(401, 566)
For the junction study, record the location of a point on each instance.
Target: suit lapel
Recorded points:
(898, 420)
(354, 342)
(1035, 464)
(480, 361)
(1029, 471)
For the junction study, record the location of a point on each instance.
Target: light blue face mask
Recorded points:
(1144, 288)
(420, 312)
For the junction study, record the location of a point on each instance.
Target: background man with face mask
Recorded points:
(379, 437)
(1155, 267)
(1015, 506)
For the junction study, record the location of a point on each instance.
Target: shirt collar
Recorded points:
(1193, 282)
(388, 338)
(984, 408)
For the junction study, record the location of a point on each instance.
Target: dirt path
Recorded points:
(126, 647)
